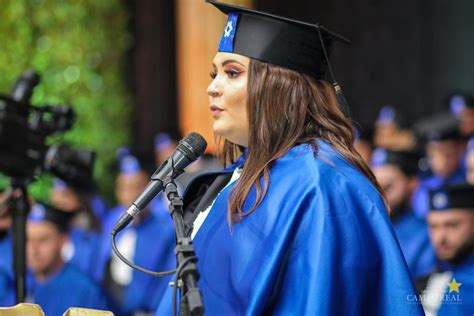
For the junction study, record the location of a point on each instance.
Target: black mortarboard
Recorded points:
(41, 212)
(452, 197)
(407, 161)
(438, 127)
(364, 133)
(276, 40)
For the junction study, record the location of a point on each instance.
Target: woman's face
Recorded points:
(228, 97)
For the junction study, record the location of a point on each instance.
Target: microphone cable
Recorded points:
(134, 266)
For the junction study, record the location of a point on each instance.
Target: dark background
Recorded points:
(409, 54)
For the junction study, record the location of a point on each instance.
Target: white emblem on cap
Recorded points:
(228, 29)
(440, 200)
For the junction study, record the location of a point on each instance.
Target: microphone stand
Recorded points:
(187, 273)
(21, 207)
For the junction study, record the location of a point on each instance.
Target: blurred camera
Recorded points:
(24, 130)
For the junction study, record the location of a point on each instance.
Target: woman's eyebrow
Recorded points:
(228, 61)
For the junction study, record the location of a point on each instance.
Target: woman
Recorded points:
(299, 225)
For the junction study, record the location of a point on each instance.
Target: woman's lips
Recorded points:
(215, 110)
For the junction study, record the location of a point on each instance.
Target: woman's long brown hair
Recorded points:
(286, 108)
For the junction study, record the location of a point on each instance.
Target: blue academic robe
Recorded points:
(154, 251)
(67, 288)
(461, 302)
(412, 233)
(7, 288)
(6, 251)
(99, 207)
(420, 199)
(85, 244)
(320, 243)
(463, 273)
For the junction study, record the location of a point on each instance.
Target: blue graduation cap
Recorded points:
(40, 213)
(162, 141)
(128, 163)
(291, 44)
(452, 197)
(470, 145)
(386, 115)
(276, 40)
(59, 184)
(407, 161)
(457, 102)
(389, 115)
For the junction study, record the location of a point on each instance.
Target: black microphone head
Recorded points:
(193, 144)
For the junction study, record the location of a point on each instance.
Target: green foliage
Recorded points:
(78, 49)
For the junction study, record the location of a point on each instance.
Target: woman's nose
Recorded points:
(212, 89)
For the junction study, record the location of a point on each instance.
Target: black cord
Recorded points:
(325, 54)
(133, 266)
(178, 273)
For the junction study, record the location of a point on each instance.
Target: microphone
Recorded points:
(187, 151)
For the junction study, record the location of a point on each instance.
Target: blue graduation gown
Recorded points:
(7, 288)
(68, 288)
(412, 233)
(6, 250)
(85, 244)
(463, 273)
(99, 207)
(321, 243)
(154, 251)
(454, 302)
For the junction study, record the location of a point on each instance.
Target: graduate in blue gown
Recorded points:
(444, 150)
(84, 227)
(53, 284)
(147, 242)
(298, 224)
(396, 171)
(449, 289)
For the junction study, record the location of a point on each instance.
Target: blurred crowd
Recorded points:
(426, 170)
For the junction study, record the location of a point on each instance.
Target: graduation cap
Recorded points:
(452, 197)
(407, 161)
(457, 102)
(162, 141)
(438, 127)
(389, 115)
(128, 163)
(59, 184)
(45, 213)
(364, 133)
(470, 145)
(292, 44)
(133, 161)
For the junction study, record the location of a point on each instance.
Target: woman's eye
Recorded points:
(213, 74)
(232, 73)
